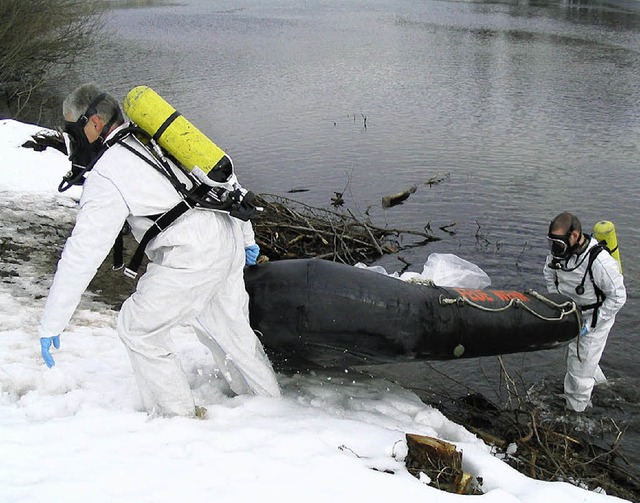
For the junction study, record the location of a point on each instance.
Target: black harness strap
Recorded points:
(160, 224)
(600, 295)
(118, 251)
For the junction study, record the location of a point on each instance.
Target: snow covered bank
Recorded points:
(76, 432)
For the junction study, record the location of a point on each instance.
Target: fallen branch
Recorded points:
(290, 229)
(393, 199)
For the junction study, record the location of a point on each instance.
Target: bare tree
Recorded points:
(37, 36)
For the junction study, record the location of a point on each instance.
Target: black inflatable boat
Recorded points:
(330, 314)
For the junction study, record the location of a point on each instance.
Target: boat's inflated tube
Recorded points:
(330, 314)
(174, 133)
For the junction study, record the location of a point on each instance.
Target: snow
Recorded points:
(77, 432)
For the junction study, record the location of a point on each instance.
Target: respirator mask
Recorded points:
(83, 153)
(560, 246)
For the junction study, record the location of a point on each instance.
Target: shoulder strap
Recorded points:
(600, 295)
(160, 224)
(593, 253)
(241, 207)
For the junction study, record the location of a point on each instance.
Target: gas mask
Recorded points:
(82, 153)
(559, 245)
(562, 250)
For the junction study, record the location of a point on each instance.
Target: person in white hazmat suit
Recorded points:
(195, 273)
(600, 294)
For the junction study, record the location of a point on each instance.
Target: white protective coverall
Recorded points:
(195, 276)
(584, 352)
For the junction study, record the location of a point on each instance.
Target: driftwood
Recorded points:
(393, 199)
(436, 179)
(289, 229)
(441, 462)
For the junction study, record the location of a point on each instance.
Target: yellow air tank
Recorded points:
(185, 142)
(606, 231)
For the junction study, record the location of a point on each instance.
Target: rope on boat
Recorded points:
(566, 308)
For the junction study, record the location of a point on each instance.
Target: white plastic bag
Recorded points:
(375, 268)
(448, 270)
(441, 269)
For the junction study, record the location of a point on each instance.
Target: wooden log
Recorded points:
(393, 199)
(440, 461)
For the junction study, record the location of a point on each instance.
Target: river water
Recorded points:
(523, 108)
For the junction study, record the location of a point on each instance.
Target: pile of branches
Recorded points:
(549, 443)
(288, 229)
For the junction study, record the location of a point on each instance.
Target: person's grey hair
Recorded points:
(79, 100)
(565, 222)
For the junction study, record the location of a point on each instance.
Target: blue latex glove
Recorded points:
(45, 344)
(584, 330)
(252, 253)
